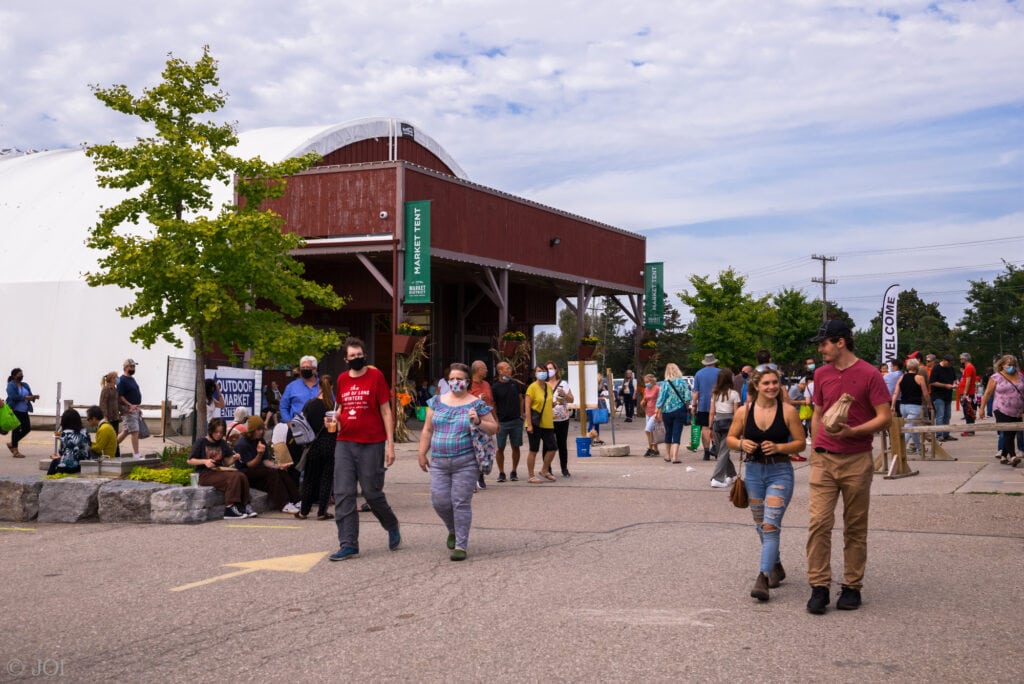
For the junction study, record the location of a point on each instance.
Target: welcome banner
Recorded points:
(889, 332)
(417, 252)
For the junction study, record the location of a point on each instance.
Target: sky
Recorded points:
(750, 135)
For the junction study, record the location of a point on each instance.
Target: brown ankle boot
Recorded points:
(760, 588)
(776, 576)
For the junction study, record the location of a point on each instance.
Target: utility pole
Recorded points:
(825, 282)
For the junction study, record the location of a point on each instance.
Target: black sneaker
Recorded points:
(951, 438)
(232, 512)
(513, 477)
(849, 599)
(501, 477)
(819, 599)
(480, 482)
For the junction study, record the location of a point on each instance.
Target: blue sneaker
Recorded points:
(344, 553)
(394, 539)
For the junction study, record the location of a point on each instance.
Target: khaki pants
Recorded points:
(832, 475)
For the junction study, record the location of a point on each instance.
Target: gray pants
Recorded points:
(723, 467)
(452, 483)
(362, 463)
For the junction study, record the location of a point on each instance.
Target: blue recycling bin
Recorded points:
(582, 447)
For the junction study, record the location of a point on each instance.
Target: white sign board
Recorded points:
(589, 371)
(239, 387)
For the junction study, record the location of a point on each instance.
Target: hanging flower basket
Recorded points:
(586, 351)
(647, 354)
(404, 344)
(509, 349)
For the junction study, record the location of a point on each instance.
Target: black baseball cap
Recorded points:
(831, 330)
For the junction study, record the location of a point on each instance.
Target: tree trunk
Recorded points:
(197, 340)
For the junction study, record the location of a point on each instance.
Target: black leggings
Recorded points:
(318, 478)
(22, 430)
(1009, 436)
(562, 440)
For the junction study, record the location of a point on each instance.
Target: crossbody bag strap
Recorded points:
(681, 400)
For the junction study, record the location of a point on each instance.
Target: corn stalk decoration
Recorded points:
(520, 360)
(405, 392)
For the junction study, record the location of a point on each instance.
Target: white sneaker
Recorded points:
(290, 508)
(718, 485)
(250, 512)
(729, 481)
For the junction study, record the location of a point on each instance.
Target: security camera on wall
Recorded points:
(383, 215)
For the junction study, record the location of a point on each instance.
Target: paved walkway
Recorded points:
(630, 570)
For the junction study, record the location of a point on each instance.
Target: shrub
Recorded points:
(175, 456)
(59, 476)
(181, 476)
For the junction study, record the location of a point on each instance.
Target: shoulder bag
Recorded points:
(738, 494)
(535, 416)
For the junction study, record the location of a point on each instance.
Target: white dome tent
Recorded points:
(57, 328)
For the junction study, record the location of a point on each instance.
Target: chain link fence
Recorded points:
(180, 417)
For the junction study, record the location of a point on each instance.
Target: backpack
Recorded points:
(302, 431)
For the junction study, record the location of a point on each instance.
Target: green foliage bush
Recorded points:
(181, 476)
(59, 476)
(175, 456)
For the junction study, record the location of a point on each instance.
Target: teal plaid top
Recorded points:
(451, 436)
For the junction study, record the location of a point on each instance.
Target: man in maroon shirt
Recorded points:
(841, 464)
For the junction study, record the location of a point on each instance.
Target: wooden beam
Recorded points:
(378, 276)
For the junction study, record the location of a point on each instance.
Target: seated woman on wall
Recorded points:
(73, 447)
(212, 457)
(105, 445)
(263, 473)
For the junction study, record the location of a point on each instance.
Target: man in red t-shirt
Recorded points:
(841, 464)
(966, 390)
(364, 449)
(479, 387)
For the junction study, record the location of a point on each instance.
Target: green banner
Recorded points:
(417, 252)
(654, 295)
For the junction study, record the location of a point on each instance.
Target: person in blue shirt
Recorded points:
(703, 387)
(129, 397)
(296, 394)
(19, 398)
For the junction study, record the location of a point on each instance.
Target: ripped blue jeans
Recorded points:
(770, 488)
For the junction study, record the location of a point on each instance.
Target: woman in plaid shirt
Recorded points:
(454, 469)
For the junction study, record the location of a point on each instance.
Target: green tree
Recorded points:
(797, 320)
(994, 322)
(673, 341)
(727, 321)
(223, 275)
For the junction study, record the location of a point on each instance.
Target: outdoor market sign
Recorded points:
(654, 295)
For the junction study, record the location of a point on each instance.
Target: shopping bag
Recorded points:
(694, 437)
(600, 416)
(8, 421)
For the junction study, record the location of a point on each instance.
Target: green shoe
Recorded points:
(458, 555)
(451, 540)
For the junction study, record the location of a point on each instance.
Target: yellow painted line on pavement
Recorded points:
(18, 529)
(268, 527)
(300, 563)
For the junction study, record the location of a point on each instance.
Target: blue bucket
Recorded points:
(582, 447)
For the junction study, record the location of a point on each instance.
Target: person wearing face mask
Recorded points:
(1006, 387)
(649, 402)
(562, 397)
(364, 449)
(453, 469)
(129, 398)
(296, 394)
(540, 425)
(19, 398)
(508, 402)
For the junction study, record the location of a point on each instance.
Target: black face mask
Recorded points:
(307, 373)
(357, 364)
(130, 371)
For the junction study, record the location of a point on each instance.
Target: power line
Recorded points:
(919, 248)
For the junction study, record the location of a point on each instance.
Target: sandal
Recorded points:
(1015, 462)
(534, 479)
(676, 462)
(548, 476)
(1004, 460)
(300, 515)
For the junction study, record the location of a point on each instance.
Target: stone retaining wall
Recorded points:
(74, 499)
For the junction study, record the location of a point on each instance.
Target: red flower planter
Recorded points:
(647, 354)
(586, 351)
(509, 348)
(404, 344)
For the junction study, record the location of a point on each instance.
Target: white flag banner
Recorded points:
(889, 332)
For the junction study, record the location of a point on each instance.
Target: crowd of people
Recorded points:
(349, 440)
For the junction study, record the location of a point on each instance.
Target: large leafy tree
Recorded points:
(727, 321)
(223, 275)
(797, 320)
(994, 323)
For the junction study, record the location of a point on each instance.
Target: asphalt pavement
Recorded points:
(631, 570)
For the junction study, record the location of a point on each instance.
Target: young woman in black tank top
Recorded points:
(912, 394)
(767, 432)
